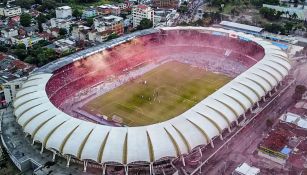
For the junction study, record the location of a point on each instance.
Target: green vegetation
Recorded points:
(112, 36)
(25, 19)
(62, 32)
(270, 14)
(36, 54)
(77, 13)
(145, 24)
(158, 95)
(183, 7)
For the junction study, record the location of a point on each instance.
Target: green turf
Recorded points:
(171, 89)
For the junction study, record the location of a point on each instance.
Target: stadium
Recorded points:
(144, 100)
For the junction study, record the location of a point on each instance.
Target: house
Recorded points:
(64, 46)
(79, 32)
(63, 12)
(15, 18)
(170, 4)
(125, 5)
(111, 23)
(10, 10)
(61, 23)
(54, 32)
(45, 36)
(27, 41)
(8, 33)
(11, 72)
(140, 12)
(30, 30)
(94, 35)
(108, 10)
(89, 13)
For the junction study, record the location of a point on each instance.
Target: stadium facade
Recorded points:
(89, 142)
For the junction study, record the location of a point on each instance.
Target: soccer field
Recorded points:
(158, 95)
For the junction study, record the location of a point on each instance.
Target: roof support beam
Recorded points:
(68, 161)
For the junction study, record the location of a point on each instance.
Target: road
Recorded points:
(192, 12)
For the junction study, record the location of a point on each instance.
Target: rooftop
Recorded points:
(11, 68)
(241, 26)
(64, 8)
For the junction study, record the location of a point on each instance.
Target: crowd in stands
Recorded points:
(92, 70)
(212, 52)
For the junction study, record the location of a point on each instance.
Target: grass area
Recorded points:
(170, 89)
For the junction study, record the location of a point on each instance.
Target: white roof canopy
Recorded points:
(197, 126)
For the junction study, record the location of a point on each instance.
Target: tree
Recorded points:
(275, 28)
(145, 24)
(62, 31)
(47, 5)
(41, 19)
(86, 1)
(21, 46)
(25, 19)
(294, 16)
(259, 3)
(3, 48)
(89, 21)
(288, 26)
(112, 36)
(269, 123)
(24, 3)
(299, 91)
(76, 13)
(20, 53)
(183, 9)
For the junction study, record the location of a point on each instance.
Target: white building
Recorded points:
(9, 11)
(8, 33)
(109, 23)
(10, 89)
(63, 12)
(245, 169)
(140, 12)
(27, 41)
(60, 23)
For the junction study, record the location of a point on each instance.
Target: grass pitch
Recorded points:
(158, 95)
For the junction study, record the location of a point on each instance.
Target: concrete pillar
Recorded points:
(84, 166)
(68, 161)
(263, 98)
(53, 156)
(221, 136)
(199, 149)
(257, 104)
(237, 123)
(229, 129)
(270, 93)
(244, 116)
(42, 149)
(126, 169)
(183, 161)
(151, 169)
(212, 144)
(104, 167)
